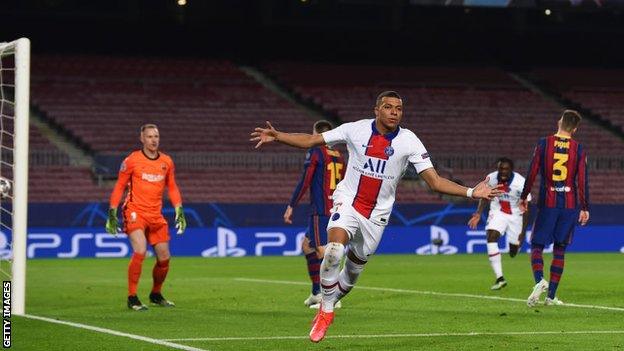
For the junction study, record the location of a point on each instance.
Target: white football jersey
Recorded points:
(376, 164)
(509, 201)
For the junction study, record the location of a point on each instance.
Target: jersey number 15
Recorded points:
(335, 177)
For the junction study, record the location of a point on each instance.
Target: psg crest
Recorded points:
(389, 151)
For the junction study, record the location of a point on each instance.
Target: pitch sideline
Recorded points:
(115, 332)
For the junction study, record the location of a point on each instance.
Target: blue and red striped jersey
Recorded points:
(322, 170)
(562, 163)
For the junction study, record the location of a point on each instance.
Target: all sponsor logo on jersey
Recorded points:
(377, 166)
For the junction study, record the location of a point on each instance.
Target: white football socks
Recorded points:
(329, 274)
(495, 259)
(347, 278)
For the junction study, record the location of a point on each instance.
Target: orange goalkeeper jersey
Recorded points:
(145, 180)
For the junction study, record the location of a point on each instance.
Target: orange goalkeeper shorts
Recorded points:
(155, 227)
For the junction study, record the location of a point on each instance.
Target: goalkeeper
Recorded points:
(145, 173)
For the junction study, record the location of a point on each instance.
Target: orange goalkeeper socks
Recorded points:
(134, 272)
(159, 273)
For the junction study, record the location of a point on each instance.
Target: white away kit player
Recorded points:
(379, 152)
(504, 217)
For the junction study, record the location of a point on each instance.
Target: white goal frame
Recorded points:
(20, 172)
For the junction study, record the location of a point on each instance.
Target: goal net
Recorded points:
(14, 115)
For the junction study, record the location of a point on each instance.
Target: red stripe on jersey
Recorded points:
(548, 172)
(366, 196)
(505, 205)
(368, 187)
(377, 146)
(570, 196)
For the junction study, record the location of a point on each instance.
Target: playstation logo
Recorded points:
(226, 245)
(439, 243)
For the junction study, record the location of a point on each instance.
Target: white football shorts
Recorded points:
(505, 224)
(364, 235)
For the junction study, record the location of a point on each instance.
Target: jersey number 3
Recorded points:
(560, 171)
(335, 177)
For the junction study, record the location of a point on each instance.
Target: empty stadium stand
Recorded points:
(199, 105)
(454, 111)
(208, 107)
(600, 90)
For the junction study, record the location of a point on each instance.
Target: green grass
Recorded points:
(211, 303)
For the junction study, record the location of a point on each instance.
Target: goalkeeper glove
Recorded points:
(112, 222)
(180, 220)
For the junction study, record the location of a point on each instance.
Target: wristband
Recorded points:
(469, 192)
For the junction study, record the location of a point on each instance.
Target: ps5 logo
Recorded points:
(266, 244)
(49, 244)
(377, 166)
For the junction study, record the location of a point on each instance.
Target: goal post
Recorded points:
(16, 98)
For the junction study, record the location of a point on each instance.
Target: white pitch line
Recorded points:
(434, 293)
(421, 335)
(116, 333)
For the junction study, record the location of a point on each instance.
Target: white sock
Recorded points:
(347, 278)
(329, 274)
(495, 259)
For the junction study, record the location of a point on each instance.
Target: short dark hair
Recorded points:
(505, 160)
(388, 93)
(322, 126)
(570, 120)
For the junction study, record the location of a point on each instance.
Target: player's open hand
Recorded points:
(484, 191)
(264, 135)
(474, 220)
(583, 217)
(288, 215)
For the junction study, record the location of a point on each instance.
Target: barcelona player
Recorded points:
(144, 174)
(563, 199)
(323, 169)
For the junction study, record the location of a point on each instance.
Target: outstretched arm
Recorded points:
(300, 140)
(445, 186)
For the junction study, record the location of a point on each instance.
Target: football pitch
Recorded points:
(402, 302)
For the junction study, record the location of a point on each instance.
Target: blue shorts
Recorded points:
(317, 230)
(554, 225)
